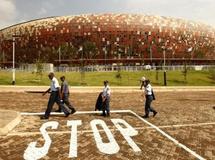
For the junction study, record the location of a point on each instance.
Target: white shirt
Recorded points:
(106, 91)
(54, 84)
(148, 89)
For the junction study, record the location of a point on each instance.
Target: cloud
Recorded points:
(7, 9)
(7, 12)
(42, 11)
(197, 10)
(14, 11)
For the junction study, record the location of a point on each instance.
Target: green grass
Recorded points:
(174, 78)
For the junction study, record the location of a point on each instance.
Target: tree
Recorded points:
(89, 50)
(199, 54)
(39, 68)
(67, 51)
(185, 71)
(119, 77)
(46, 55)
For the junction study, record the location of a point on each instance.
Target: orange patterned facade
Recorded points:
(124, 38)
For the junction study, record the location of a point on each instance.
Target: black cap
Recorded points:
(105, 81)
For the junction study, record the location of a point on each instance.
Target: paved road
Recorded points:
(91, 89)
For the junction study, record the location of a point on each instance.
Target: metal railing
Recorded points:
(111, 68)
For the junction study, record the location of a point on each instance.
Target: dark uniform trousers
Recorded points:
(54, 97)
(148, 107)
(66, 101)
(106, 106)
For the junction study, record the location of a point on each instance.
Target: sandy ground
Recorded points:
(191, 108)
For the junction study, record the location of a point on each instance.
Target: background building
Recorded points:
(128, 39)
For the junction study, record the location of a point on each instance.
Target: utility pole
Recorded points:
(105, 53)
(59, 55)
(59, 58)
(14, 67)
(164, 65)
(150, 51)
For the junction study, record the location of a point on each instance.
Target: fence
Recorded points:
(111, 68)
(131, 68)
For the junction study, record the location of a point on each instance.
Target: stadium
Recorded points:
(184, 126)
(128, 39)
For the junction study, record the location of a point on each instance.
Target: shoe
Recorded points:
(108, 114)
(66, 115)
(145, 116)
(43, 117)
(154, 113)
(103, 114)
(58, 110)
(73, 111)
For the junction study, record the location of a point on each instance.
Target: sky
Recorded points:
(17, 11)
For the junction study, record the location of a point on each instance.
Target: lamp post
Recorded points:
(150, 51)
(164, 47)
(105, 51)
(14, 68)
(59, 58)
(81, 50)
(149, 45)
(59, 55)
(106, 44)
(82, 65)
(142, 54)
(164, 65)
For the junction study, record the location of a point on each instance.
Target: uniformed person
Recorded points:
(55, 97)
(149, 97)
(106, 99)
(65, 95)
(142, 80)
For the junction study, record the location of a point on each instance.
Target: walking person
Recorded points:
(55, 97)
(65, 95)
(142, 80)
(106, 99)
(149, 96)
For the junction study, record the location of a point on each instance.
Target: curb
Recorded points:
(91, 89)
(7, 123)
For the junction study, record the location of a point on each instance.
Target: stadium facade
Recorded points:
(109, 38)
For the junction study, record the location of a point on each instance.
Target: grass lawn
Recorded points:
(174, 78)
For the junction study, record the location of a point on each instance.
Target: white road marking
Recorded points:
(170, 137)
(78, 112)
(187, 125)
(90, 131)
(129, 111)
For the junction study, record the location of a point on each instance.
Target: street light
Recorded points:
(164, 65)
(164, 47)
(59, 55)
(81, 50)
(82, 65)
(105, 51)
(149, 45)
(14, 69)
(150, 51)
